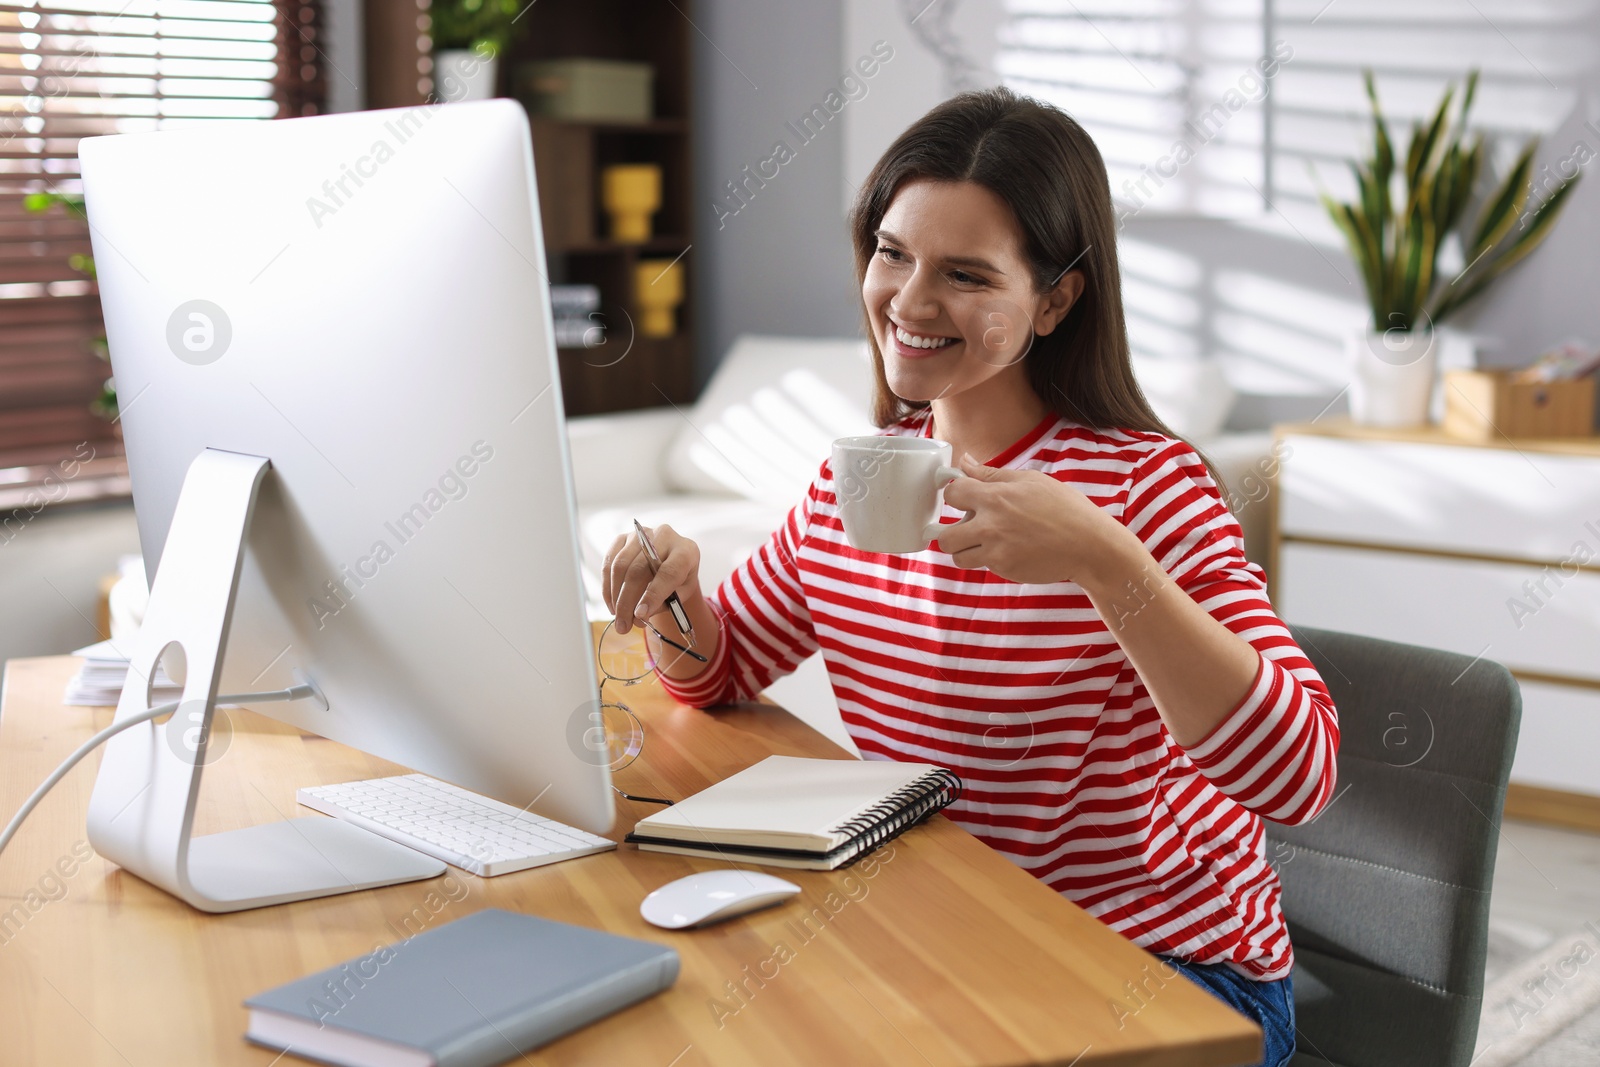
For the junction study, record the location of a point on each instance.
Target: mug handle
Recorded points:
(941, 478)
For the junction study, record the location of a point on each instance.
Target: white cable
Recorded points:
(297, 692)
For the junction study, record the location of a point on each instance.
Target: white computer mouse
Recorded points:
(711, 896)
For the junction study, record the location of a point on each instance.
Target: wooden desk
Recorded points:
(941, 952)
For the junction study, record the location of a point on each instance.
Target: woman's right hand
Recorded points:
(632, 592)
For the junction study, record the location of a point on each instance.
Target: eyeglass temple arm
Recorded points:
(643, 800)
(681, 648)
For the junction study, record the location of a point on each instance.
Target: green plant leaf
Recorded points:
(1376, 266)
(1416, 274)
(486, 26)
(1539, 224)
(1420, 158)
(105, 405)
(1467, 180)
(1529, 238)
(1382, 149)
(1501, 212)
(1468, 94)
(1413, 159)
(1445, 179)
(1374, 181)
(1415, 241)
(1363, 248)
(1370, 199)
(44, 201)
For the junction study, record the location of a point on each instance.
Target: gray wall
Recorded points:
(1551, 295)
(346, 72)
(50, 575)
(782, 264)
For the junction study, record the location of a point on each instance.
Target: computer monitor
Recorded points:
(346, 321)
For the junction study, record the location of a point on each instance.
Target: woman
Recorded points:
(1088, 647)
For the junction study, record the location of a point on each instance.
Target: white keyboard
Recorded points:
(452, 824)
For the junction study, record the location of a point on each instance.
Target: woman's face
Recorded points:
(949, 292)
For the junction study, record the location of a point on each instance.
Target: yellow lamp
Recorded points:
(658, 290)
(631, 193)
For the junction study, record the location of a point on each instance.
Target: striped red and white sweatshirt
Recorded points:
(1024, 692)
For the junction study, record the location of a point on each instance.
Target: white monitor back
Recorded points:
(374, 319)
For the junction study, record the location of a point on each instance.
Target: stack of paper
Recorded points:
(99, 681)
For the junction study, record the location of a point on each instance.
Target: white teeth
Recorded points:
(913, 341)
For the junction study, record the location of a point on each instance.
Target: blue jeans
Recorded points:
(1269, 1004)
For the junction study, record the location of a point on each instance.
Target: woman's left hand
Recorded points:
(1027, 527)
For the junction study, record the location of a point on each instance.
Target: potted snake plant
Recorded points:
(1396, 242)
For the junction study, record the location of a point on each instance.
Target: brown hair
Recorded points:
(1039, 161)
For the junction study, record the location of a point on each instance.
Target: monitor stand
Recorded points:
(141, 814)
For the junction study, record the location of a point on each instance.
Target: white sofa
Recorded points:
(726, 470)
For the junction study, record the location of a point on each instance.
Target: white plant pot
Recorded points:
(462, 74)
(1391, 376)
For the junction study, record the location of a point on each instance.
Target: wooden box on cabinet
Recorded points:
(1487, 406)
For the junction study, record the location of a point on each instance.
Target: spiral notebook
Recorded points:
(788, 811)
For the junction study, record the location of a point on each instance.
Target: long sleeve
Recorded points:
(765, 629)
(1274, 753)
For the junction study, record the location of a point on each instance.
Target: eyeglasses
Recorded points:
(626, 659)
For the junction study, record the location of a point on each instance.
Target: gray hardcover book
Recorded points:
(470, 993)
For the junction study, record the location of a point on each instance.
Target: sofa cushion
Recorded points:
(766, 419)
(1192, 396)
(616, 457)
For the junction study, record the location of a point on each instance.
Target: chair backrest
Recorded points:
(1387, 891)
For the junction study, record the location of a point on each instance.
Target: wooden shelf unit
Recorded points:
(629, 371)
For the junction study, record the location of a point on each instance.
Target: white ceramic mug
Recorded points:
(888, 489)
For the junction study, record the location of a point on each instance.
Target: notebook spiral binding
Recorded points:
(898, 812)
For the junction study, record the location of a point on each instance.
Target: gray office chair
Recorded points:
(1387, 891)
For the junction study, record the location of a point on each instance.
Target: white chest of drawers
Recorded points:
(1489, 551)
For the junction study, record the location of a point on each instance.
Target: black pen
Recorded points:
(673, 604)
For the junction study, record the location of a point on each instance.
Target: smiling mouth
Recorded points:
(922, 341)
